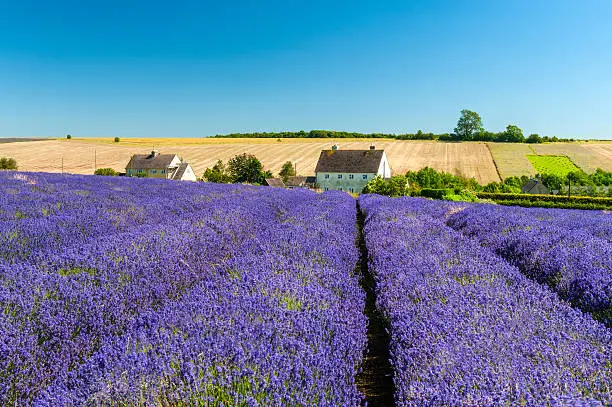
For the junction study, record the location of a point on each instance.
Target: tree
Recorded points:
(533, 139)
(8, 163)
(288, 170)
(117, 139)
(468, 125)
(105, 171)
(68, 136)
(394, 186)
(575, 177)
(217, 174)
(513, 134)
(245, 168)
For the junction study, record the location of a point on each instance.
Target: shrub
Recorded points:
(105, 171)
(8, 163)
(117, 139)
(436, 193)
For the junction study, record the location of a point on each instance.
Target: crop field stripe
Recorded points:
(494, 162)
(375, 381)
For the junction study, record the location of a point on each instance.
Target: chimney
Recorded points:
(154, 153)
(372, 147)
(334, 147)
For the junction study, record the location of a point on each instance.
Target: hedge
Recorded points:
(549, 201)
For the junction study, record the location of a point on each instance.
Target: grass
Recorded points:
(552, 164)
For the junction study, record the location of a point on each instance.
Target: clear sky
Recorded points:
(198, 68)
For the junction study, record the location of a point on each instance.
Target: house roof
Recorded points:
(349, 161)
(150, 161)
(535, 186)
(300, 181)
(180, 171)
(275, 182)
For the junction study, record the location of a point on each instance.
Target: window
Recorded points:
(140, 171)
(326, 177)
(339, 176)
(163, 171)
(364, 176)
(351, 176)
(153, 171)
(327, 188)
(351, 189)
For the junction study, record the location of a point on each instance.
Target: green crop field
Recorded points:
(552, 164)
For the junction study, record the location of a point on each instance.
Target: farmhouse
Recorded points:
(350, 170)
(156, 165)
(535, 186)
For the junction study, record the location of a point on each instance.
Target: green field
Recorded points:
(552, 164)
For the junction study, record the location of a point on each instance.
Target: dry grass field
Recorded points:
(511, 159)
(587, 156)
(467, 159)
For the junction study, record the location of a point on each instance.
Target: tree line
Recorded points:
(469, 128)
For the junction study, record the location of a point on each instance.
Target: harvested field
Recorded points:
(467, 159)
(587, 156)
(511, 159)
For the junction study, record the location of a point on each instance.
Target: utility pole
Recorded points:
(295, 168)
(95, 160)
(62, 164)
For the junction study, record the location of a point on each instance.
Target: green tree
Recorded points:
(68, 136)
(105, 171)
(551, 181)
(394, 186)
(8, 163)
(217, 174)
(117, 139)
(288, 170)
(533, 139)
(468, 125)
(245, 168)
(513, 134)
(576, 178)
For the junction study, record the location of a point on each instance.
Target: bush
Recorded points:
(117, 139)
(8, 163)
(436, 193)
(68, 136)
(549, 201)
(105, 171)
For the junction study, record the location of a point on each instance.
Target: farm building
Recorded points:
(300, 181)
(275, 182)
(293, 182)
(156, 165)
(535, 186)
(350, 170)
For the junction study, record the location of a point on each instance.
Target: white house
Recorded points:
(350, 170)
(156, 165)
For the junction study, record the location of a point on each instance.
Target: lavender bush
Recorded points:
(568, 250)
(146, 292)
(467, 328)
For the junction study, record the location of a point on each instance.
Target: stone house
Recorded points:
(350, 170)
(156, 165)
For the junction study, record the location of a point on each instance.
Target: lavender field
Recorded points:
(140, 292)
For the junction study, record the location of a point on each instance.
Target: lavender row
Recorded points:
(568, 250)
(469, 329)
(51, 212)
(233, 296)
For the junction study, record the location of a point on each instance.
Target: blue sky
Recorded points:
(197, 68)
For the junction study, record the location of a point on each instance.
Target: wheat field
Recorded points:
(82, 156)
